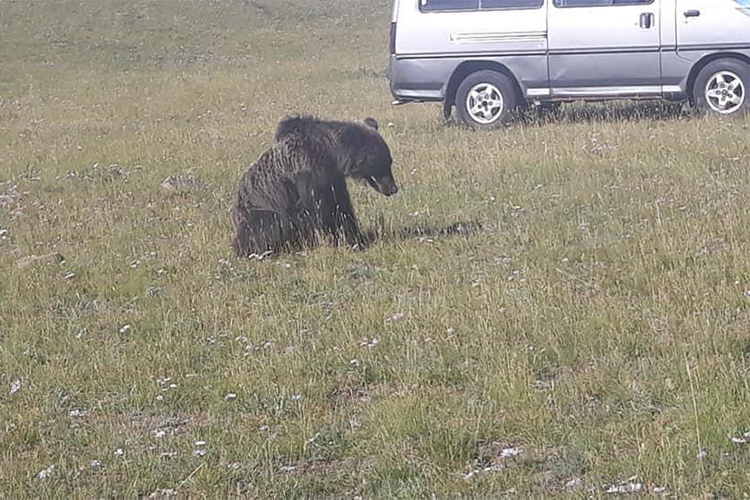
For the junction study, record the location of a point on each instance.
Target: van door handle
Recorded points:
(647, 20)
(692, 13)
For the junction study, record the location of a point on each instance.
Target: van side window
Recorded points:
(599, 3)
(432, 5)
(511, 4)
(443, 5)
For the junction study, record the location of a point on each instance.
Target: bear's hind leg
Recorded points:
(264, 231)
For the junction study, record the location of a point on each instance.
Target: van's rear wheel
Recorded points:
(721, 88)
(485, 99)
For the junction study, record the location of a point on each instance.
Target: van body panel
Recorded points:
(421, 78)
(615, 51)
(427, 78)
(719, 25)
(498, 32)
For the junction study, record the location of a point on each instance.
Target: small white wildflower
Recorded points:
(262, 256)
(159, 433)
(160, 398)
(576, 482)
(744, 439)
(126, 329)
(470, 474)
(296, 397)
(96, 464)
(263, 428)
(200, 443)
(15, 386)
(80, 333)
(119, 452)
(355, 363)
(625, 488)
(201, 452)
(510, 452)
(44, 474)
(173, 386)
(493, 468)
(451, 331)
(77, 413)
(230, 397)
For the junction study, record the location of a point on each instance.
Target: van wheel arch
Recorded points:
(705, 61)
(467, 68)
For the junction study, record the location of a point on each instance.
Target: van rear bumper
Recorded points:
(420, 79)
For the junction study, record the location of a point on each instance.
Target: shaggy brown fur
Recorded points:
(298, 187)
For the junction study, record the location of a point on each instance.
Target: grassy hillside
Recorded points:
(591, 327)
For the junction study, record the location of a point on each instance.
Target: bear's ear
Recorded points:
(370, 122)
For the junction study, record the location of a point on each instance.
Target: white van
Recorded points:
(486, 57)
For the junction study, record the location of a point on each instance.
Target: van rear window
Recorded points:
(448, 5)
(511, 4)
(431, 5)
(599, 3)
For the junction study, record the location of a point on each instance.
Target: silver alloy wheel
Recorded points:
(485, 103)
(725, 92)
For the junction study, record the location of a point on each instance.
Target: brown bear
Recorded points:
(297, 188)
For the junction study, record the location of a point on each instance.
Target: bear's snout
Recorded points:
(385, 185)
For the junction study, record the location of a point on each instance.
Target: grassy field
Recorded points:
(594, 326)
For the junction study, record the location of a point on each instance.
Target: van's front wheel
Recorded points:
(485, 99)
(721, 88)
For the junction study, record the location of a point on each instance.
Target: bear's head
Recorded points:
(367, 157)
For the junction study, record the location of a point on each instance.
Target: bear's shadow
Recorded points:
(380, 234)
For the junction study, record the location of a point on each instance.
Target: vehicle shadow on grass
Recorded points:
(582, 112)
(604, 112)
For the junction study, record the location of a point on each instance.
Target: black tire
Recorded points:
(718, 77)
(493, 100)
